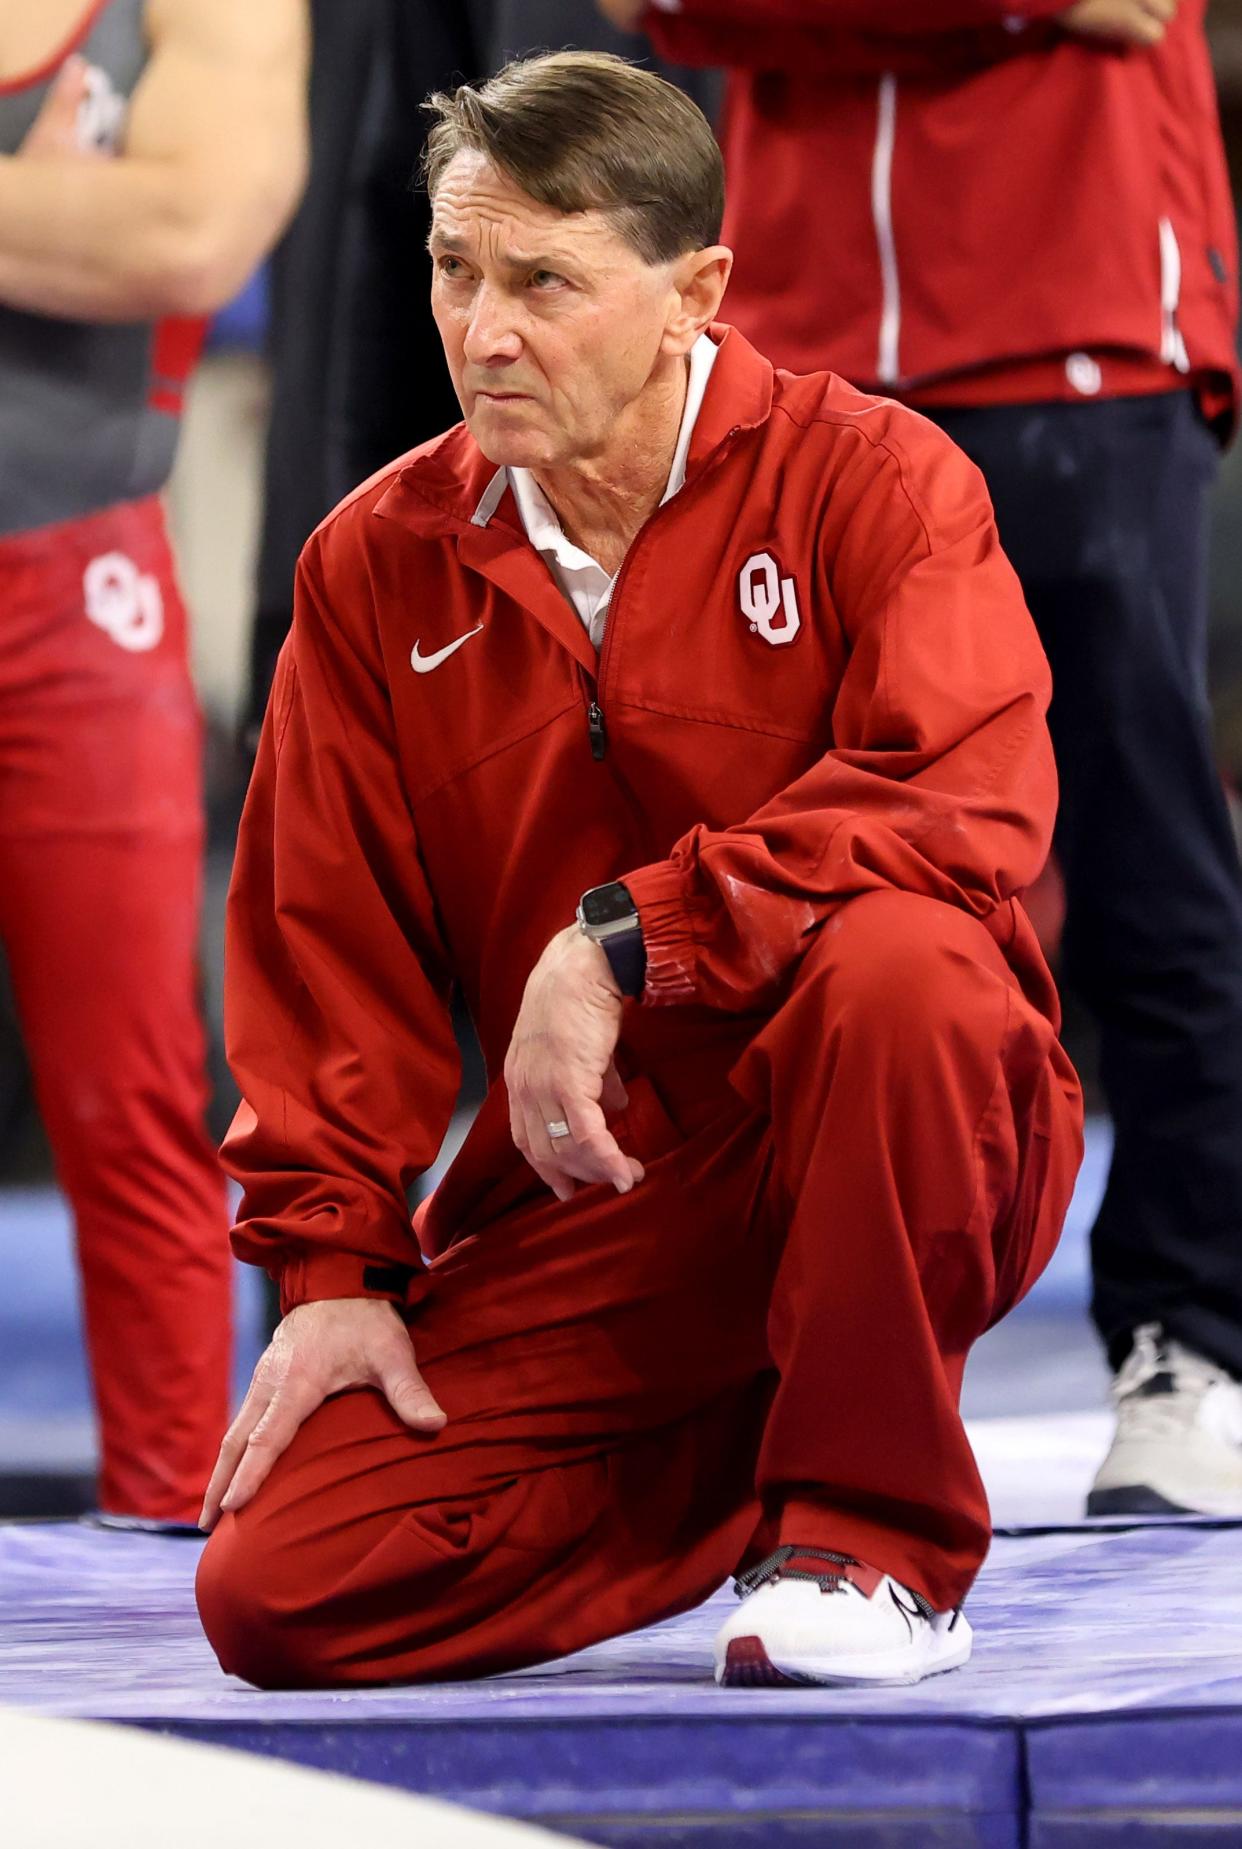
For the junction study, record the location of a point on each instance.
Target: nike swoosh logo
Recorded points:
(423, 664)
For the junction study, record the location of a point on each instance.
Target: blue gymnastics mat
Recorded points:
(1103, 1706)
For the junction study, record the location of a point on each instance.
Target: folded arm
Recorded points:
(208, 172)
(940, 779)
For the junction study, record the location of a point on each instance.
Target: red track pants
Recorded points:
(100, 851)
(764, 1341)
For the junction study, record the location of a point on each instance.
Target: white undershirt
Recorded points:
(583, 579)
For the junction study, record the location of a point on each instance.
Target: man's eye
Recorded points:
(545, 279)
(451, 267)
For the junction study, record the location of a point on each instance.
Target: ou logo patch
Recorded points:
(125, 602)
(769, 602)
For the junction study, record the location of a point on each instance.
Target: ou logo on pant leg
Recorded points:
(124, 602)
(769, 602)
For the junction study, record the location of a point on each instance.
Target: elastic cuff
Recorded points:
(316, 1277)
(664, 897)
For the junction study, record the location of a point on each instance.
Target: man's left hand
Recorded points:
(624, 14)
(559, 1069)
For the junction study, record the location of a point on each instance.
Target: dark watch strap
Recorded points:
(627, 957)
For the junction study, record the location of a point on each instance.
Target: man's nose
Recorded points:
(492, 336)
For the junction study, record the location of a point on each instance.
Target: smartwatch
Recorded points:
(609, 917)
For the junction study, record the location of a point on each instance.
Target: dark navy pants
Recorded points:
(1102, 509)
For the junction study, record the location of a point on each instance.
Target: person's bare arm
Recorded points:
(210, 168)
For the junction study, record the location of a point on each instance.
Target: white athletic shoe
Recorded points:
(808, 1616)
(1178, 1444)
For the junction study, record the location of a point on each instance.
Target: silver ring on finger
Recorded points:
(558, 1129)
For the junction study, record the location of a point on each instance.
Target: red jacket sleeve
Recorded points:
(840, 40)
(896, 18)
(336, 983)
(940, 779)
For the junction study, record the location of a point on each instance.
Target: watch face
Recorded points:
(607, 904)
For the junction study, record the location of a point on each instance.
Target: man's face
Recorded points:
(551, 322)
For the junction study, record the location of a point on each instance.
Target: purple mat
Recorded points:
(1105, 1693)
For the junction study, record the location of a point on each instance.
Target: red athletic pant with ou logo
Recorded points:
(764, 1342)
(101, 839)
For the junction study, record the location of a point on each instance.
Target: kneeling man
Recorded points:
(687, 716)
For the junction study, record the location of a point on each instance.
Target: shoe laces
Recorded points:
(1162, 1382)
(777, 1567)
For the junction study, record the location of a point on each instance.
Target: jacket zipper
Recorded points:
(888, 366)
(597, 731)
(1172, 346)
(596, 723)
(597, 727)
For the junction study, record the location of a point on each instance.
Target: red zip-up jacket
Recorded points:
(932, 190)
(819, 679)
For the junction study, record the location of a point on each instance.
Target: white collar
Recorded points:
(702, 358)
(544, 530)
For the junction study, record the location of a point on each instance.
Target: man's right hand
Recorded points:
(1124, 22)
(319, 1349)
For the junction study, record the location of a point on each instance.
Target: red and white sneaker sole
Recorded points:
(748, 1665)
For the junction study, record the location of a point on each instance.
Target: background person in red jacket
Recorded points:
(150, 152)
(1017, 218)
(733, 664)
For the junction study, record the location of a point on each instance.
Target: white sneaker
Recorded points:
(800, 1621)
(1178, 1445)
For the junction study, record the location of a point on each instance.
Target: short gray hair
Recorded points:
(584, 131)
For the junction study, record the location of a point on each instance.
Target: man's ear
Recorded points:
(699, 281)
